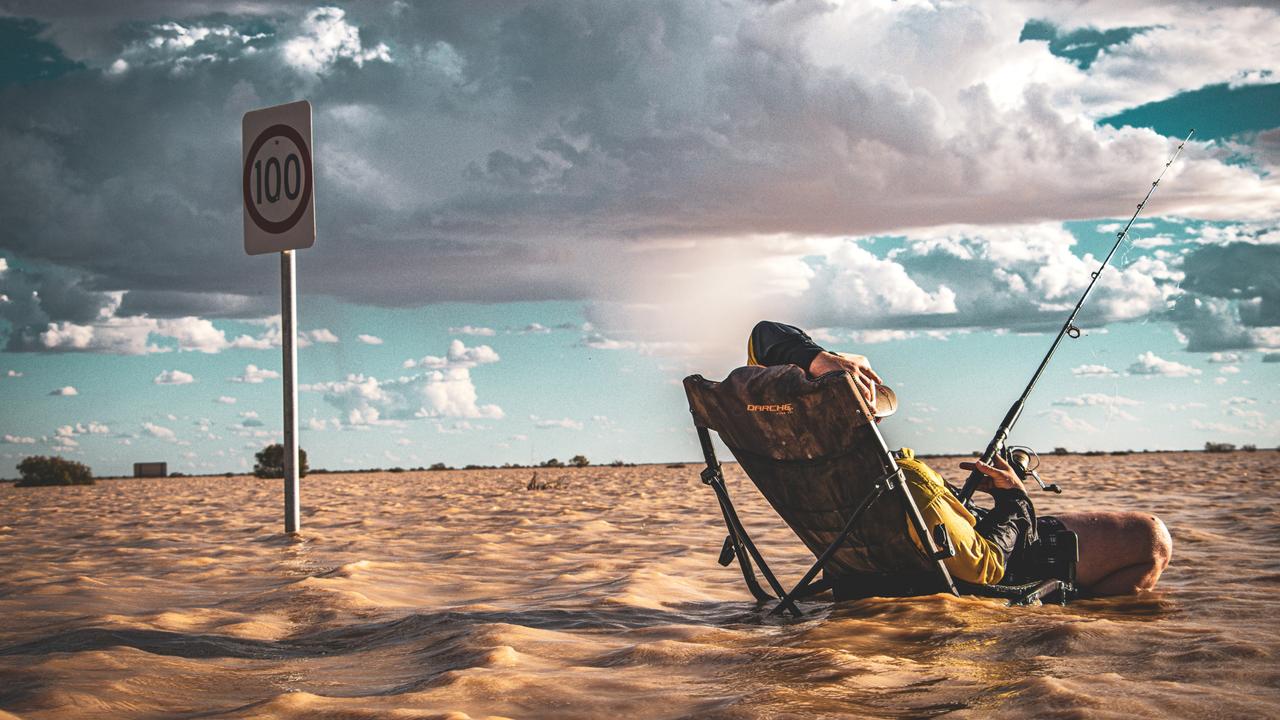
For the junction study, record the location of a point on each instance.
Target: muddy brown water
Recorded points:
(462, 594)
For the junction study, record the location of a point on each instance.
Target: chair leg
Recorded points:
(788, 601)
(743, 548)
(744, 560)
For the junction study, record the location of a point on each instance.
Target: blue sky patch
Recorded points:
(1216, 111)
(25, 58)
(1082, 46)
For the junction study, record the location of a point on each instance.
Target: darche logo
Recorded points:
(786, 408)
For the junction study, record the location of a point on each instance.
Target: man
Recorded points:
(1120, 552)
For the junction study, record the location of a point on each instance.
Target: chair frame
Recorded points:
(938, 547)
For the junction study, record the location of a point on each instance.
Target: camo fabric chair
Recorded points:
(815, 453)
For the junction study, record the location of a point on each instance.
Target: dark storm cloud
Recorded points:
(1232, 297)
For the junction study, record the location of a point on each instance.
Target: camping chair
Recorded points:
(815, 453)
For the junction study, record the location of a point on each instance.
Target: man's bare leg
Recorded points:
(1120, 552)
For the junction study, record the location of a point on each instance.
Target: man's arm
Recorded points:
(1012, 522)
(774, 343)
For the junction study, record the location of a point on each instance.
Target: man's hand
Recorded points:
(999, 475)
(857, 365)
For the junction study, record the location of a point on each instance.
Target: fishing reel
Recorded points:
(1025, 461)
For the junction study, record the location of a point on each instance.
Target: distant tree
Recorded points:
(1249, 448)
(41, 470)
(1213, 447)
(438, 466)
(1061, 451)
(616, 463)
(579, 461)
(553, 462)
(270, 462)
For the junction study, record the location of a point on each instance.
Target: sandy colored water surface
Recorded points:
(461, 594)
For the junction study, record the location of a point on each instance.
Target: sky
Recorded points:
(534, 219)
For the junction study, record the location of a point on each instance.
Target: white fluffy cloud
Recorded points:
(473, 330)
(18, 439)
(225, 400)
(1148, 363)
(561, 423)
(65, 391)
(458, 356)
(1093, 399)
(90, 428)
(174, 377)
(365, 400)
(254, 375)
(1071, 424)
(1093, 371)
(159, 431)
(369, 339)
(326, 38)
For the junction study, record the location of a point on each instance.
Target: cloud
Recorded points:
(1065, 421)
(1231, 300)
(534, 329)
(473, 330)
(1225, 357)
(369, 339)
(13, 374)
(737, 149)
(873, 337)
(1149, 363)
(365, 400)
(18, 440)
(65, 391)
(1093, 371)
(159, 431)
(91, 428)
(255, 375)
(174, 377)
(319, 424)
(225, 400)
(562, 423)
(1094, 399)
(322, 335)
(1239, 400)
(458, 356)
(327, 38)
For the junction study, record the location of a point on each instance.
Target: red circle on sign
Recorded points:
(288, 133)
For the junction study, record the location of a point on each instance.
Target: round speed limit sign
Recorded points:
(278, 179)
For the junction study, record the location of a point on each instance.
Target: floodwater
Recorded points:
(462, 594)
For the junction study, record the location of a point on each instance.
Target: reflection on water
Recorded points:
(456, 594)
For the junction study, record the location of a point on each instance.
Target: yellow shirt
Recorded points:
(977, 560)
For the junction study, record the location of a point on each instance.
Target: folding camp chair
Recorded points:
(815, 453)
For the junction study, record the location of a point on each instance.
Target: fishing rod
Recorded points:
(1021, 458)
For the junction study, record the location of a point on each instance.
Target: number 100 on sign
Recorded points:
(278, 181)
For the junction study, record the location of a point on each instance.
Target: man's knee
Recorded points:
(1161, 541)
(1157, 546)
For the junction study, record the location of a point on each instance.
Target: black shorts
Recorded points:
(1031, 559)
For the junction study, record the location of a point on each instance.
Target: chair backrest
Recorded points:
(812, 449)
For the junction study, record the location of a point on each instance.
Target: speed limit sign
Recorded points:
(278, 179)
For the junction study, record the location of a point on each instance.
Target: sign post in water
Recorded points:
(278, 186)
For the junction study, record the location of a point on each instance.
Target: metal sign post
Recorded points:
(278, 186)
(288, 319)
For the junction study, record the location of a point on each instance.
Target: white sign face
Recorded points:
(278, 181)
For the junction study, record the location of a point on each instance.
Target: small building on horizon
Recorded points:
(150, 469)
